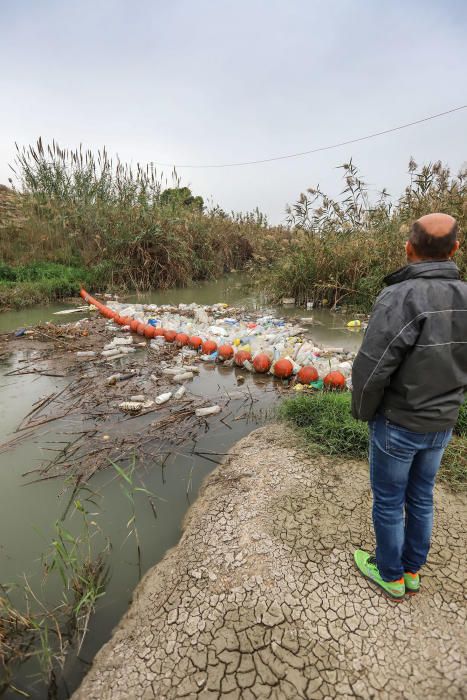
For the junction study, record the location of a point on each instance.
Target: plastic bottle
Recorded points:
(182, 377)
(180, 393)
(163, 398)
(208, 411)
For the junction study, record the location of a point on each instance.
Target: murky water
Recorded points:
(29, 510)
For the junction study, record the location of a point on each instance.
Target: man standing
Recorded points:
(409, 379)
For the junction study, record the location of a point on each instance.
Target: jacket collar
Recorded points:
(444, 269)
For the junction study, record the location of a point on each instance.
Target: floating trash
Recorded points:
(208, 411)
(218, 333)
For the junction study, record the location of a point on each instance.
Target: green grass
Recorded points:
(461, 425)
(328, 427)
(326, 422)
(39, 283)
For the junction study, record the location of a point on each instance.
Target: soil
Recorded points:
(260, 598)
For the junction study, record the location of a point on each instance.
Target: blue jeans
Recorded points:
(403, 468)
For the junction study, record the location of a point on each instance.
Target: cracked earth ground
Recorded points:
(260, 598)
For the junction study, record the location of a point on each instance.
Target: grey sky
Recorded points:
(206, 81)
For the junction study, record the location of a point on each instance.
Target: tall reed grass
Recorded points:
(133, 228)
(126, 226)
(344, 248)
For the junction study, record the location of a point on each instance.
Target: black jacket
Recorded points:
(412, 365)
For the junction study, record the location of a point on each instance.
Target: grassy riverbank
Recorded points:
(26, 285)
(328, 427)
(103, 223)
(80, 217)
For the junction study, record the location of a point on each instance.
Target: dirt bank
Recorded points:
(260, 598)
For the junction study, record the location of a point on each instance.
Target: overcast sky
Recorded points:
(211, 81)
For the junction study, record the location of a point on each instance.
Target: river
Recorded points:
(29, 510)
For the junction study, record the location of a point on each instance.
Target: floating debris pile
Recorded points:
(219, 333)
(138, 378)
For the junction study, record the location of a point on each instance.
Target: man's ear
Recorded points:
(409, 251)
(454, 249)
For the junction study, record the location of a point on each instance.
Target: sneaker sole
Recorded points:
(414, 591)
(395, 599)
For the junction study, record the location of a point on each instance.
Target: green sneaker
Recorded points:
(366, 564)
(412, 583)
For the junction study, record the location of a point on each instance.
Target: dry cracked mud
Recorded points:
(260, 598)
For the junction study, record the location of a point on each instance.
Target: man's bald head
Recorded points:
(434, 237)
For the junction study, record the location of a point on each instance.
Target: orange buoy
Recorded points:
(119, 320)
(149, 331)
(140, 328)
(241, 357)
(225, 352)
(334, 380)
(283, 369)
(159, 332)
(262, 363)
(195, 342)
(134, 324)
(181, 339)
(170, 335)
(208, 347)
(307, 374)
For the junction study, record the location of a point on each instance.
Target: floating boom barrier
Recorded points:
(262, 363)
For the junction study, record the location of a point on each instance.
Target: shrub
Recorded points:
(36, 283)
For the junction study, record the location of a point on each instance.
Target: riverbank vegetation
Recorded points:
(76, 217)
(344, 248)
(80, 217)
(327, 426)
(29, 284)
(31, 629)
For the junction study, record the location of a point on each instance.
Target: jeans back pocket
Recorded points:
(403, 442)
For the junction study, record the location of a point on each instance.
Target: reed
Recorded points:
(129, 228)
(344, 248)
(31, 628)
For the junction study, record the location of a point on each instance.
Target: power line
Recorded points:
(316, 150)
